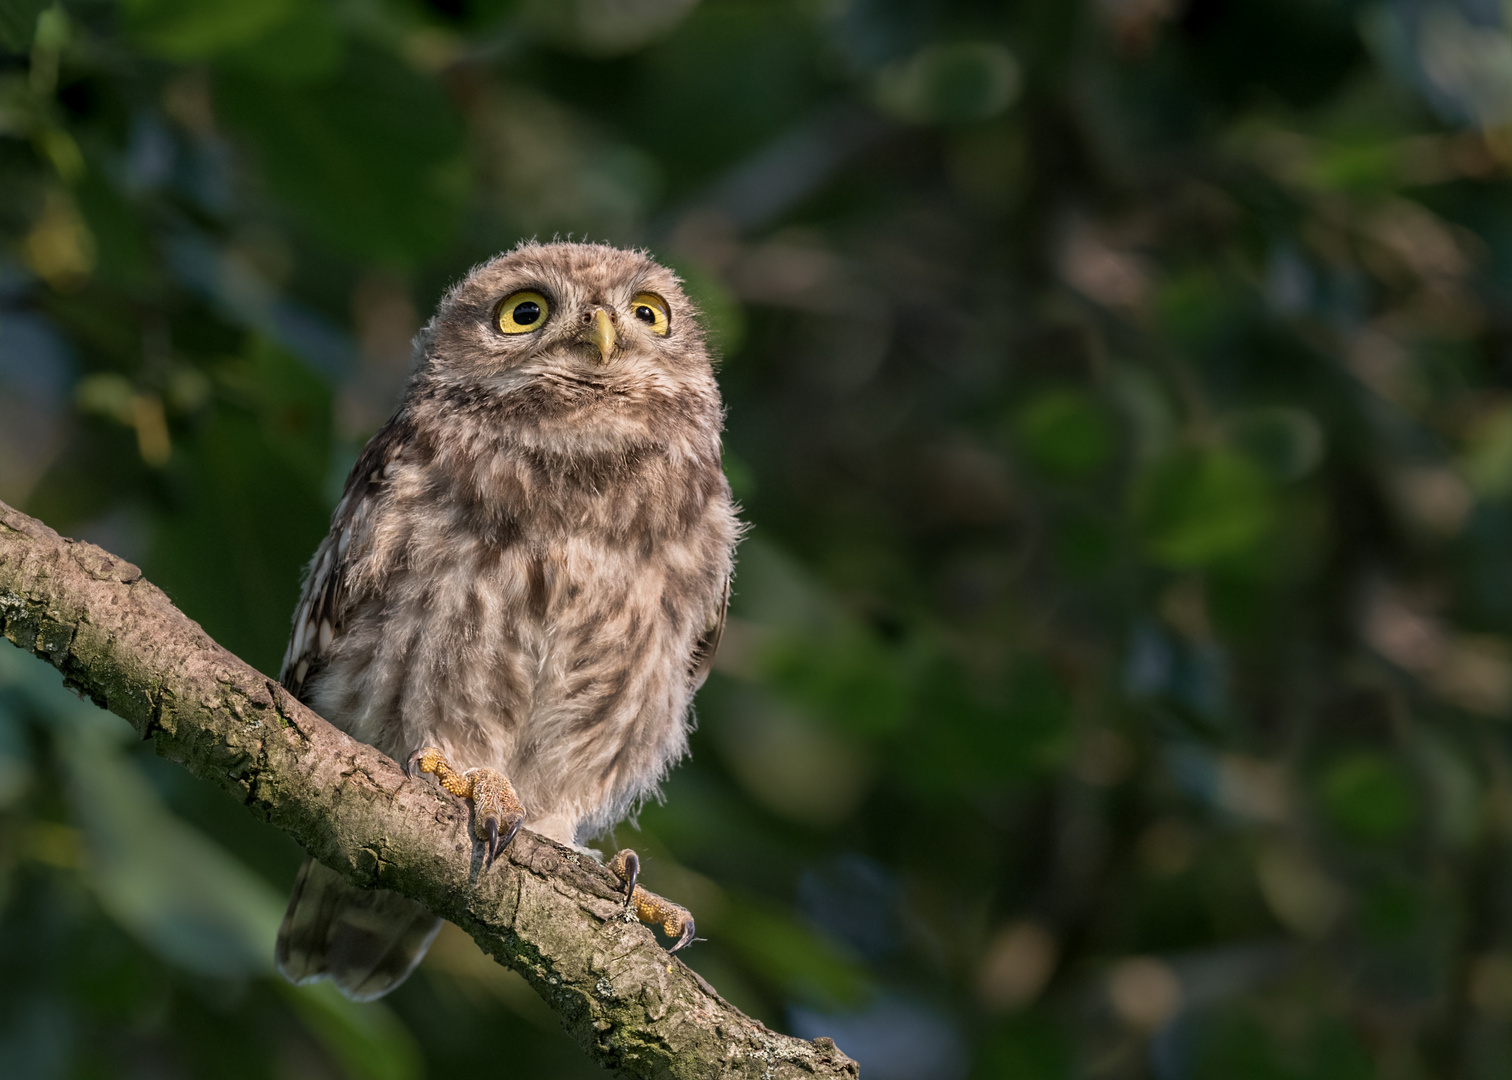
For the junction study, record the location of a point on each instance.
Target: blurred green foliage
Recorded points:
(1120, 667)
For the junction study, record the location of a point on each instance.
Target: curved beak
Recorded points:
(602, 334)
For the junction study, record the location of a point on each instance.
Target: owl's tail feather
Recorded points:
(366, 940)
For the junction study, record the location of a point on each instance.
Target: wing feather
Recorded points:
(708, 643)
(324, 600)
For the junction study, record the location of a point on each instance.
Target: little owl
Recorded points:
(525, 579)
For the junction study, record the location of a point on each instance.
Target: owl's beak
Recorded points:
(602, 334)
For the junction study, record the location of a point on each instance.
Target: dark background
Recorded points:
(1119, 673)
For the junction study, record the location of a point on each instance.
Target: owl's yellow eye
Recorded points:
(651, 310)
(522, 312)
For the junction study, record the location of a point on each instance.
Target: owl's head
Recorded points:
(574, 317)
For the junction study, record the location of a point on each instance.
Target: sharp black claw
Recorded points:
(632, 872)
(504, 840)
(410, 763)
(685, 938)
(491, 845)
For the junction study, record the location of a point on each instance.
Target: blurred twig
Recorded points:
(549, 914)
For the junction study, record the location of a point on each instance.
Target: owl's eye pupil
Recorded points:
(526, 313)
(645, 314)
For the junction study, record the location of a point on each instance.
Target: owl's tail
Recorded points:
(366, 940)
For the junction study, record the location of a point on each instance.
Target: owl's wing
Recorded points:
(708, 642)
(365, 940)
(324, 602)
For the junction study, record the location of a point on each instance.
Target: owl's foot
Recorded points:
(497, 813)
(676, 922)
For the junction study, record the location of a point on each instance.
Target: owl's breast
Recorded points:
(500, 634)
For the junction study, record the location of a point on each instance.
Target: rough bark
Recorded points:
(550, 914)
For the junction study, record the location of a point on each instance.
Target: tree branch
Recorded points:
(552, 915)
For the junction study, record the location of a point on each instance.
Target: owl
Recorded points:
(524, 581)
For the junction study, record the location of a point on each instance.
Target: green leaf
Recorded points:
(306, 46)
(1286, 442)
(847, 676)
(1194, 307)
(369, 161)
(1203, 507)
(160, 878)
(1488, 455)
(195, 29)
(18, 23)
(958, 83)
(1025, 1048)
(266, 447)
(1369, 797)
(792, 957)
(970, 741)
(368, 1039)
(1065, 433)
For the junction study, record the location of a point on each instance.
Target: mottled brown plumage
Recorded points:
(528, 570)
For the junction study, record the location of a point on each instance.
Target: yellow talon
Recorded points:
(495, 803)
(675, 921)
